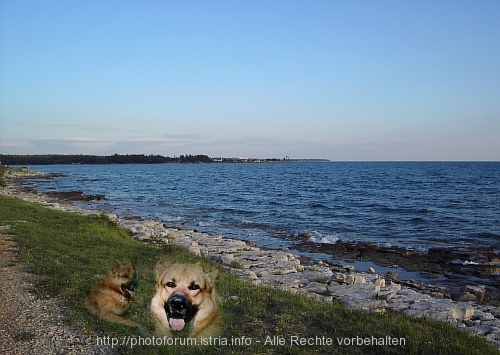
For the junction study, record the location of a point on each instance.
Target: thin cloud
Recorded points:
(72, 139)
(94, 128)
(153, 140)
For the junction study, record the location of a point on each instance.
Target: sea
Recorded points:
(417, 205)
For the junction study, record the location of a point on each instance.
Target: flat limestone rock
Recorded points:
(366, 304)
(461, 313)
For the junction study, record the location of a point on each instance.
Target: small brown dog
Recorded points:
(185, 300)
(112, 296)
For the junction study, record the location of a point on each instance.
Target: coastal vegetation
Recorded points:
(69, 253)
(51, 159)
(2, 173)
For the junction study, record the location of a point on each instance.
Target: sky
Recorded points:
(338, 80)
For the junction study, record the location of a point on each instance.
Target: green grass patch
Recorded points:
(322, 280)
(236, 264)
(70, 252)
(3, 170)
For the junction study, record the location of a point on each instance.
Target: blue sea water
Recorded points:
(414, 204)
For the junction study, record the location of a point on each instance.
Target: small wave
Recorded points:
(167, 218)
(485, 235)
(319, 238)
(417, 220)
(318, 205)
(466, 262)
(205, 224)
(420, 249)
(423, 250)
(234, 211)
(254, 225)
(384, 245)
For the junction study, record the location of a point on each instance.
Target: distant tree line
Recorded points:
(50, 159)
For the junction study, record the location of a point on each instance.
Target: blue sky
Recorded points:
(342, 80)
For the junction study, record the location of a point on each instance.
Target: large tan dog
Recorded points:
(185, 301)
(112, 296)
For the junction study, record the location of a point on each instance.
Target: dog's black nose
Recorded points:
(178, 304)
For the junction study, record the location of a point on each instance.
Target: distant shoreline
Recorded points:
(67, 159)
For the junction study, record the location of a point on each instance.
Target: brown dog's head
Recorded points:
(123, 276)
(183, 289)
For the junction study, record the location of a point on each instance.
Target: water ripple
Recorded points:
(405, 204)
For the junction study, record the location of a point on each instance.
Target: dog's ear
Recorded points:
(162, 265)
(158, 269)
(210, 271)
(212, 274)
(113, 264)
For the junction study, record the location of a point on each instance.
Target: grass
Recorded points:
(2, 173)
(236, 264)
(322, 280)
(70, 252)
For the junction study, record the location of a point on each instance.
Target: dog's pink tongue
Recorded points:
(176, 323)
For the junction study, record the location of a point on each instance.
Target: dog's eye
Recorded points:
(194, 287)
(170, 284)
(125, 276)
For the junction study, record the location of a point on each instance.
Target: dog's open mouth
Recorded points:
(127, 290)
(179, 311)
(177, 322)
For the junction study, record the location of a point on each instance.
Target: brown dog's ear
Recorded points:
(113, 264)
(163, 265)
(212, 274)
(209, 270)
(158, 269)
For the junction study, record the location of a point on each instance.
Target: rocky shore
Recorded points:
(473, 306)
(450, 268)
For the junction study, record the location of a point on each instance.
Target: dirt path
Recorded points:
(30, 325)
